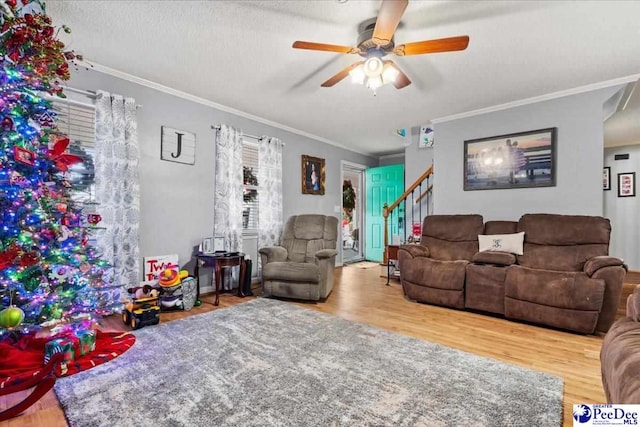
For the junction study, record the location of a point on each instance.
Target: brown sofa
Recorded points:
(620, 356)
(564, 278)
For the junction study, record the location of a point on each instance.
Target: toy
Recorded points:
(171, 291)
(143, 309)
(170, 277)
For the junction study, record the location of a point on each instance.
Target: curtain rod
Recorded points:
(244, 135)
(88, 93)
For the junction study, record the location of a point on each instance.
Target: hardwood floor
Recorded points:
(361, 295)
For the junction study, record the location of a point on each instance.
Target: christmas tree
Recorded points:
(48, 271)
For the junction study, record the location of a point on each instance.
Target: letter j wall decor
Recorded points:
(178, 146)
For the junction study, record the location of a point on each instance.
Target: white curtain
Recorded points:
(227, 221)
(270, 219)
(117, 185)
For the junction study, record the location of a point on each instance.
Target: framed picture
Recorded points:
(207, 245)
(426, 137)
(627, 184)
(312, 175)
(517, 160)
(606, 178)
(218, 244)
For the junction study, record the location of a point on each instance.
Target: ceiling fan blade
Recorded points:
(388, 19)
(401, 79)
(341, 75)
(325, 47)
(432, 46)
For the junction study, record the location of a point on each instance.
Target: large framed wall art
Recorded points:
(518, 160)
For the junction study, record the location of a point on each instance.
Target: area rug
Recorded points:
(267, 362)
(365, 264)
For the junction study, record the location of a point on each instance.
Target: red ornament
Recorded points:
(7, 123)
(23, 155)
(60, 158)
(11, 3)
(8, 257)
(29, 259)
(94, 218)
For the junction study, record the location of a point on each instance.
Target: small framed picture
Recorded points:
(426, 137)
(207, 245)
(627, 184)
(218, 244)
(606, 178)
(312, 175)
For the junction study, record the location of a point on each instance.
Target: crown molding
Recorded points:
(541, 98)
(193, 98)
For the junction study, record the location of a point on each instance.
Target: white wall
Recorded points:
(579, 159)
(623, 211)
(177, 199)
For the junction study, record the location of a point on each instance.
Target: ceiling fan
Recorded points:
(376, 41)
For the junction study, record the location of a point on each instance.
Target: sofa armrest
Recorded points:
(415, 250)
(494, 257)
(596, 263)
(633, 304)
(612, 271)
(273, 254)
(326, 253)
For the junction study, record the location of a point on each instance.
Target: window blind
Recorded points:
(250, 210)
(77, 122)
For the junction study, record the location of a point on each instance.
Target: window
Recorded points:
(77, 121)
(250, 207)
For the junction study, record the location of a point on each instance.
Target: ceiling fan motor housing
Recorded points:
(365, 43)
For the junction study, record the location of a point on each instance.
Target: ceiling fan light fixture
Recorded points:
(373, 67)
(374, 83)
(389, 74)
(357, 75)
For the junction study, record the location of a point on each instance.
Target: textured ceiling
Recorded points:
(239, 54)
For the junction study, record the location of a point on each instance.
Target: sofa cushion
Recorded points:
(304, 235)
(493, 257)
(291, 272)
(562, 242)
(500, 227)
(572, 290)
(434, 273)
(620, 362)
(484, 287)
(452, 237)
(453, 228)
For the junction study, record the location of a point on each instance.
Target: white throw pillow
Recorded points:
(502, 242)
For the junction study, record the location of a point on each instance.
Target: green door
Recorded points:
(383, 184)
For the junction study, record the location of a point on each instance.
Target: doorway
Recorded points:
(384, 184)
(352, 178)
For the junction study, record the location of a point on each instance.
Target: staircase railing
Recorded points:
(387, 210)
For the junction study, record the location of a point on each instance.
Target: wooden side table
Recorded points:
(218, 262)
(392, 254)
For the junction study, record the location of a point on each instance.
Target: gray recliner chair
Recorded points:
(302, 266)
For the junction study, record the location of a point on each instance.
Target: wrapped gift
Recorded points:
(86, 341)
(60, 345)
